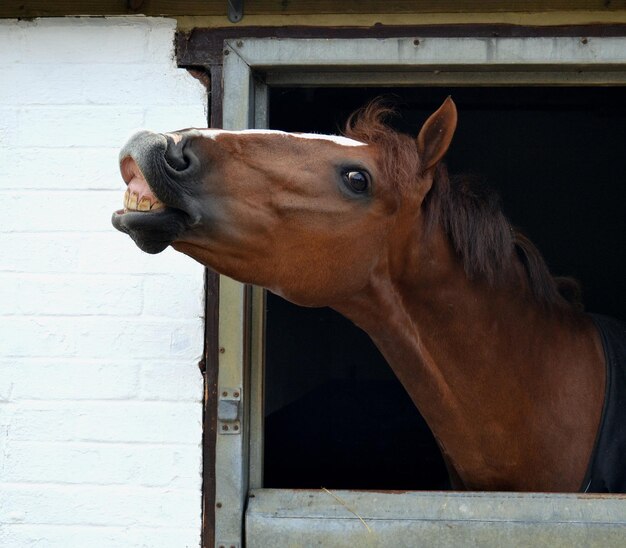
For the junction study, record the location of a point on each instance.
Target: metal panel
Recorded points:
(240, 338)
(231, 453)
(348, 518)
(515, 54)
(257, 413)
(231, 465)
(447, 77)
(257, 330)
(285, 517)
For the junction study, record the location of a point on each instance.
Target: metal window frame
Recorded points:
(250, 66)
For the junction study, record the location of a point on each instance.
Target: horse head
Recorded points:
(308, 216)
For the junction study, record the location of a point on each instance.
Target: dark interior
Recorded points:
(335, 414)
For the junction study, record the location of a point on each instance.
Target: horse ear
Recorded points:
(436, 134)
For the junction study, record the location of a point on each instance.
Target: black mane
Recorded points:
(472, 217)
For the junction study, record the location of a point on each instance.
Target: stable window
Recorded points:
(288, 402)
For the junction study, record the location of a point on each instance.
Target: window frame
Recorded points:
(250, 66)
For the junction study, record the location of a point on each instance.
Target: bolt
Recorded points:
(222, 350)
(236, 394)
(239, 43)
(235, 428)
(416, 42)
(584, 41)
(226, 52)
(224, 394)
(225, 427)
(218, 505)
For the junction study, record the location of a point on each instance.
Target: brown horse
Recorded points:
(508, 374)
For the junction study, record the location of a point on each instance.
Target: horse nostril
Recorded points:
(175, 153)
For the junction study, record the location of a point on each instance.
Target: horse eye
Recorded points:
(357, 181)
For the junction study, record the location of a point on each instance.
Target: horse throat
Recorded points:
(478, 362)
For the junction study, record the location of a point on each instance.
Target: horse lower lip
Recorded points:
(152, 231)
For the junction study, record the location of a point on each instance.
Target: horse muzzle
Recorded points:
(153, 166)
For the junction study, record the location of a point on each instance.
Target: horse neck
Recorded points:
(469, 354)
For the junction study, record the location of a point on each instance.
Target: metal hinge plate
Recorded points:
(229, 411)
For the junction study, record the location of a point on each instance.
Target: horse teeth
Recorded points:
(132, 201)
(144, 204)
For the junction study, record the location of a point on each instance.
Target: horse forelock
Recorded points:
(400, 162)
(467, 210)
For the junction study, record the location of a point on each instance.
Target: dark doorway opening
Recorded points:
(335, 414)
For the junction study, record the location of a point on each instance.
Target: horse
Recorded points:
(511, 376)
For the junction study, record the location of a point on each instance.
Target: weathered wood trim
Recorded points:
(209, 431)
(45, 8)
(211, 352)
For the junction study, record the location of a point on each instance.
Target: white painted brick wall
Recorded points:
(100, 394)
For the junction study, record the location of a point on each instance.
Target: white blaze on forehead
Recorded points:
(337, 139)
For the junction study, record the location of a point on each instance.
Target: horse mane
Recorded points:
(468, 210)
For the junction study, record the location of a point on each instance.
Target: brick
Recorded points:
(76, 126)
(39, 84)
(71, 84)
(60, 211)
(129, 258)
(8, 130)
(96, 256)
(11, 42)
(84, 40)
(172, 118)
(55, 253)
(173, 296)
(110, 421)
(102, 337)
(64, 169)
(71, 294)
(160, 44)
(110, 252)
(19, 335)
(145, 338)
(170, 381)
(75, 536)
(69, 379)
(100, 505)
(102, 464)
